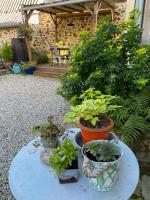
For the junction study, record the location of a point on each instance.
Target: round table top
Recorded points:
(30, 179)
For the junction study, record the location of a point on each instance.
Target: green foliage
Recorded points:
(25, 31)
(93, 105)
(63, 156)
(103, 152)
(133, 118)
(111, 60)
(49, 131)
(40, 57)
(7, 52)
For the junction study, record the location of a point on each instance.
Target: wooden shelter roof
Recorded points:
(61, 8)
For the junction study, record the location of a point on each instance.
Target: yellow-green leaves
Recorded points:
(63, 156)
(92, 107)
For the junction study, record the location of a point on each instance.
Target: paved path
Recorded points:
(24, 101)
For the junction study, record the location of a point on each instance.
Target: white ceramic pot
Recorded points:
(102, 175)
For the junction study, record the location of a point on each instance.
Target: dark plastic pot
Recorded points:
(30, 70)
(70, 175)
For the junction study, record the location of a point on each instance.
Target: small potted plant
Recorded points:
(101, 164)
(49, 133)
(29, 67)
(91, 116)
(25, 31)
(7, 55)
(65, 163)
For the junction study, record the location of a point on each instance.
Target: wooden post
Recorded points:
(113, 15)
(97, 6)
(56, 29)
(28, 40)
(56, 22)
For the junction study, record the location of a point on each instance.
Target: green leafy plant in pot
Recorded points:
(65, 163)
(101, 163)
(91, 116)
(7, 55)
(49, 133)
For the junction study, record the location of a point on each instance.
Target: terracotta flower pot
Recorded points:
(89, 134)
(7, 64)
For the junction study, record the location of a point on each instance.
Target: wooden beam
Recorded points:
(55, 4)
(68, 9)
(27, 15)
(76, 7)
(112, 5)
(88, 9)
(47, 10)
(60, 10)
(102, 11)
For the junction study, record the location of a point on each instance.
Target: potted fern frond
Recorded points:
(65, 163)
(91, 115)
(101, 164)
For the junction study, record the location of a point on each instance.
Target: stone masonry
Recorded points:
(44, 33)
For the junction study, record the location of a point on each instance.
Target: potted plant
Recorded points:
(101, 164)
(29, 68)
(25, 31)
(7, 55)
(65, 163)
(49, 133)
(91, 116)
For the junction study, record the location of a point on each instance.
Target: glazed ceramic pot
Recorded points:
(102, 175)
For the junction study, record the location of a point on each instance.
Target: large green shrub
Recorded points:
(111, 60)
(7, 52)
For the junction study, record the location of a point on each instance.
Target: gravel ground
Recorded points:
(24, 101)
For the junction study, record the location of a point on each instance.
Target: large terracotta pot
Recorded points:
(89, 134)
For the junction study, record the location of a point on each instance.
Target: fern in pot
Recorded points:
(65, 163)
(91, 115)
(101, 163)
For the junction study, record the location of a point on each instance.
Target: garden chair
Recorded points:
(56, 56)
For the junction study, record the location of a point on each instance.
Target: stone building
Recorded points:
(68, 28)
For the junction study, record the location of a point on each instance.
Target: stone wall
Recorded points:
(120, 12)
(7, 34)
(130, 7)
(44, 34)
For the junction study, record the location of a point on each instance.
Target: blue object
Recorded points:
(16, 68)
(30, 70)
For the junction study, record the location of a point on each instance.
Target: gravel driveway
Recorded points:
(24, 101)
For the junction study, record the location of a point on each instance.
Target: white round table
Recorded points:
(30, 179)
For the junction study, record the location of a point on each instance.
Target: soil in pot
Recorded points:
(102, 123)
(70, 175)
